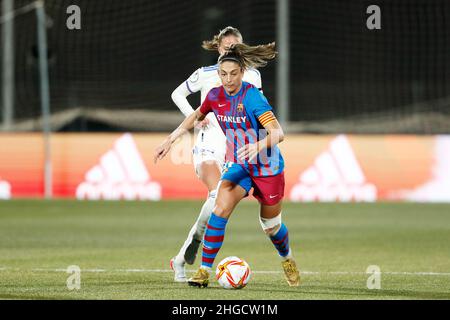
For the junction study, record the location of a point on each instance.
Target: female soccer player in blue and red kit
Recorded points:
(253, 159)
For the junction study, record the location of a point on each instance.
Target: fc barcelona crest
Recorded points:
(240, 107)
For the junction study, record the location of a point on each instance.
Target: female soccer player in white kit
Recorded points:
(210, 146)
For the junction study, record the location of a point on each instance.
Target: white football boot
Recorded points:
(178, 268)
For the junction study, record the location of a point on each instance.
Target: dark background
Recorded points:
(130, 55)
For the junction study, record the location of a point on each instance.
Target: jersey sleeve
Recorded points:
(194, 82)
(179, 98)
(260, 107)
(266, 118)
(205, 108)
(254, 77)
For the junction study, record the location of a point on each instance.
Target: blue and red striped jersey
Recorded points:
(242, 118)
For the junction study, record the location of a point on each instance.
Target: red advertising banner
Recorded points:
(318, 167)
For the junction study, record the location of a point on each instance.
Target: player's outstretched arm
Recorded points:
(185, 126)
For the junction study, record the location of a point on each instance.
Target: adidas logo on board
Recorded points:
(120, 174)
(335, 176)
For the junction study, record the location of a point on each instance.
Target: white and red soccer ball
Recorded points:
(233, 273)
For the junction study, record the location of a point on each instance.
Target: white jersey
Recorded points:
(211, 142)
(206, 78)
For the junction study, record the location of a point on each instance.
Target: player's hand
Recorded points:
(248, 152)
(202, 124)
(161, 150)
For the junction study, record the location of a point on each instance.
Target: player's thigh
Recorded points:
(209, 173)
(269, 191)
(270, 211)
(228, 196)
(208, 156)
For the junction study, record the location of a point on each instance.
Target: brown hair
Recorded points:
(214, 43)
(250, 56)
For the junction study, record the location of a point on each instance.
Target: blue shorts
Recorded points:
(237, 174)
(267, 190)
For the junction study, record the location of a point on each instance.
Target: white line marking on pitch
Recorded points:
(256, 271)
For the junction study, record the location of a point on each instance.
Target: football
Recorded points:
(233, 273)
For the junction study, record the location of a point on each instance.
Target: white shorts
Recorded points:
(210, 145)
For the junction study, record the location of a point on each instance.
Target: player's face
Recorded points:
(227, 42)
(231, 74)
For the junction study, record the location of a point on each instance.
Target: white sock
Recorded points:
(288, 256)
(198, 229)
(179, 258)
(205, 213)
(206, 268)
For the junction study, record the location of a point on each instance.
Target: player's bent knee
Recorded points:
(272, 225)
(209, 173)
(221, 209)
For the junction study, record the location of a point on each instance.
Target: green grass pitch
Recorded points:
(124, 248)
